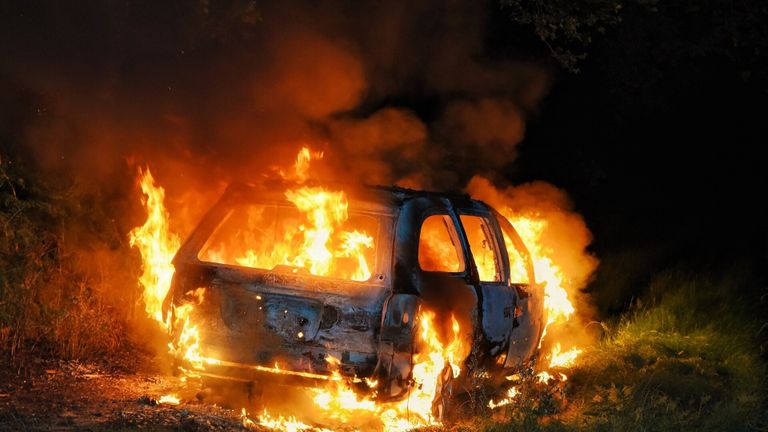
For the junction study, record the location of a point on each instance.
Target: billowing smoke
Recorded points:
(206, 92)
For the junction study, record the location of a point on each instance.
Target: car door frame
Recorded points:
(497, 300)
(530, 319)
(411, 289)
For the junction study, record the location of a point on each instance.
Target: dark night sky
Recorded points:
(658, 139)
(662, 133)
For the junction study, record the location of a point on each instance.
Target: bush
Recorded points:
(688, 359)
(49, 302)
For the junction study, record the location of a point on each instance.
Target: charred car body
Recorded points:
(257, 317)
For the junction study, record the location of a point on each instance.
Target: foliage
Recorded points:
(676, 31)
(687, 360)
(48, 299)
(566, 27)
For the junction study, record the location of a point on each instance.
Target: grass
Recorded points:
(688, 359)
(52, 300)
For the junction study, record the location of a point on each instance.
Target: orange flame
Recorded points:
(315, 240)
(170, 399)
(564, 359)
(431, 364)
(157, 246)
(301, 165)
(510, 396)
(324, 209)
(557, 303)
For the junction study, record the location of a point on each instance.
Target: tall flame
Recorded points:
(324, 211)
(434, 359)
(301, 165)
(557, 239)
(157, 245)
(316, 238)
(352, 246)
(557, 303)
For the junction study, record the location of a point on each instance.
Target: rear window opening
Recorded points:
(279, 237)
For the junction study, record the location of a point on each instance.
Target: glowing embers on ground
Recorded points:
(508, 399)
(278, 423)
(565, 359)
(170, 399)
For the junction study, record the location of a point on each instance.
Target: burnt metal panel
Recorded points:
(263, 319)
(497, 299)
(396, 344)
(529, 324)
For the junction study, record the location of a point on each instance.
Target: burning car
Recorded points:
(284, 276)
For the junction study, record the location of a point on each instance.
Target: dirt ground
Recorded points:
(118, 394)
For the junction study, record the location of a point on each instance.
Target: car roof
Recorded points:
(379, 198)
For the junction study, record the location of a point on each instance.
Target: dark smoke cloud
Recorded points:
(210, 91)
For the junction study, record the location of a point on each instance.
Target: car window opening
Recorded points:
(483, 247)
(283, 239)
(438, 250)
(518, 272)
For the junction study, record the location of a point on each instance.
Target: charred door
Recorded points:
(489, 260)
(529, 297)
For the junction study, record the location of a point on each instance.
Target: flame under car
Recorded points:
(266, 311)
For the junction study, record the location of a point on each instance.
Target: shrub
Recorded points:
(688, 358)
(48, 301)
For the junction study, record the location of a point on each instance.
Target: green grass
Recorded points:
(688, 359)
